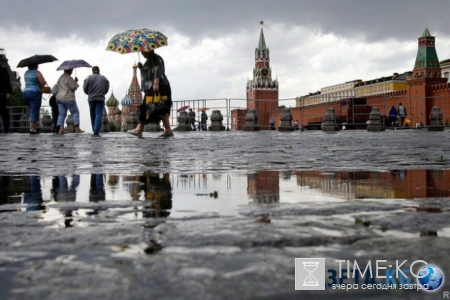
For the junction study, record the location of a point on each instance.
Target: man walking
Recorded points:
(96, 86)
(5, 92)
(192, 118)
(401, 114)
(204, 119)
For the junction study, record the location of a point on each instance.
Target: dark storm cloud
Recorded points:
(375, 20)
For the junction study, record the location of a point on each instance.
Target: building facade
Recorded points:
(356, 88)
(445, 69)
(386, 84)
(339, 91)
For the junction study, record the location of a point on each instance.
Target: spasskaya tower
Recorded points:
(262, 90)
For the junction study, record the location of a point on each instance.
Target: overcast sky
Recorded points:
(313, 43)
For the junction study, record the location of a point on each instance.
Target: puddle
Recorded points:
(189, 195)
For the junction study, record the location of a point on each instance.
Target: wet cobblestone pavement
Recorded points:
(124, 248)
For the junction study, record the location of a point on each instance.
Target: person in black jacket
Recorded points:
(5, 92)
(204, 119)
(55, 112)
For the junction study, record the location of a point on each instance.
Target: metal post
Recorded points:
(228, 109)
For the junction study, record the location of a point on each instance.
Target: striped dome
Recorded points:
(112, 101)
(126, 101)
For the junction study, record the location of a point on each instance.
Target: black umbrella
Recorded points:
(35, 60)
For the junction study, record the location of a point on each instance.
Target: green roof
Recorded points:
(262, 41)
(426, 54)
(426, 32)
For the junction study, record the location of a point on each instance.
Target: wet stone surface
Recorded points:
(134, 249)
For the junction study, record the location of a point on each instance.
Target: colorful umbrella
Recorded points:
(137, 40)
(203, 109)
(183, 108)
(36, 60)
(73, 64)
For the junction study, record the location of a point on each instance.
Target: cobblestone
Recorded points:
(249, 255)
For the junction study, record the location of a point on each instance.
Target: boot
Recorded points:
(77, 129)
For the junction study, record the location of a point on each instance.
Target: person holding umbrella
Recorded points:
(34, 81)
(65, 98)
(32, 94)
(154, 79)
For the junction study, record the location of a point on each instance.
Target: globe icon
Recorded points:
(430, 277)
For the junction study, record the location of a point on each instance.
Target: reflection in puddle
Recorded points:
(157, 195)
(405, 184)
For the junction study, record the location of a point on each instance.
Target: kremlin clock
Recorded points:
(265, 72)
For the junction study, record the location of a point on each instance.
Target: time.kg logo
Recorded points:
(310, 273)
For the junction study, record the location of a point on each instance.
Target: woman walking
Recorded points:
(154, 80)
(32, 94)
(66, 101)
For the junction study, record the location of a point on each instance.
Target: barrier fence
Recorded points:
(18, 116)
(351, 112)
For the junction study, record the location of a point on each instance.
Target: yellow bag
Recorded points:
(153, 99)
(46, 90)
(154, 104)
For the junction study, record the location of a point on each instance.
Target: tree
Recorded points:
(16, 98)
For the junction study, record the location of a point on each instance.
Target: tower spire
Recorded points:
(262, 41)
(426, 59)
(426, 32)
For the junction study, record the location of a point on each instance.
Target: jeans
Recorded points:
(97, 188)
(34, 100)
(63, 106)
(33, 197)
(96, 109)
(64, 192)
(401, 120)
